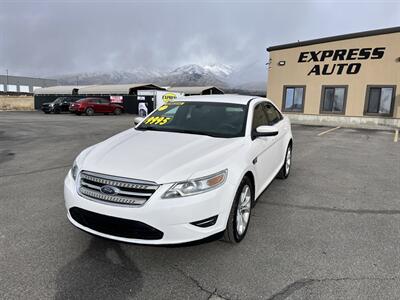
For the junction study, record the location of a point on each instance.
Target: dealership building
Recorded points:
(346, 79)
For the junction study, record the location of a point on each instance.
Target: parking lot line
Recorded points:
(396, 136)
(329, 130)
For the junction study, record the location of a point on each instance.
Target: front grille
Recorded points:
(116, 190)
(115, 226)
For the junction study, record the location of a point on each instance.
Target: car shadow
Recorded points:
(102, 271)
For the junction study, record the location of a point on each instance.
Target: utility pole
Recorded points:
(77, 80)
(6, 80)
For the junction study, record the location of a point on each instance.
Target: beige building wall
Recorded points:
(385, 71)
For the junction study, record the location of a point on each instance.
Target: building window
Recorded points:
(1, 87)
(333, 99)
(11, 88)
(24, 88)
(293, 98)
(380, 100)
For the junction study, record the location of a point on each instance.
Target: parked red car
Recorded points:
(90, 106)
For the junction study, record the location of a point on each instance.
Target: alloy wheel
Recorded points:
(243, 210)
(288, 160)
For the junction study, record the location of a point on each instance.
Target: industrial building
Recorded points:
(26, 85)
(346, 79)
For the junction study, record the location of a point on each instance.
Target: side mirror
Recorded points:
(265, 130)
(137, 120)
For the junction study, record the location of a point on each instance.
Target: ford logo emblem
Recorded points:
(108, 190)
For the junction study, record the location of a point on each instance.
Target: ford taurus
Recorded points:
(192, 169)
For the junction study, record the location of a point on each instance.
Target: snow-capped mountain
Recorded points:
(192, 75)
(114, 77)
(224, 76)
(185, 75)
(219, 71)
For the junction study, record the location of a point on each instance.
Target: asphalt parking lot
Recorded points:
(331, 230)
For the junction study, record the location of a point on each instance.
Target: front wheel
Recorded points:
(239, 217)
(285, 170)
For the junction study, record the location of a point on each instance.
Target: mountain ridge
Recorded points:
(223, 76)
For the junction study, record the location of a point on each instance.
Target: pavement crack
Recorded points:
(291, 288)
(338, 210)
(211, 294)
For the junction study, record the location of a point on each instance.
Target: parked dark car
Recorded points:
(90, 106)
(61, 104)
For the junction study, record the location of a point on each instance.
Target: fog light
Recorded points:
(206, 222)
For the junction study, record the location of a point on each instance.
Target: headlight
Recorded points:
(196, 186)
(74, 170)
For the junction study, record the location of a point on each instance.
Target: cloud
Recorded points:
(46, 38)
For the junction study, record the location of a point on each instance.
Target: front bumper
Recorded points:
(46, 109)
(171, 217)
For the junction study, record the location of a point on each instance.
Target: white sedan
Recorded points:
(192, 169)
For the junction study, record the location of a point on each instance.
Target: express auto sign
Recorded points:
(340, 61)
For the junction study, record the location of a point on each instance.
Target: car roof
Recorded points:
(226, 98)
(92, 98)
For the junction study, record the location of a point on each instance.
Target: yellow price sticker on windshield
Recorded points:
(164, 107)
(157, 120)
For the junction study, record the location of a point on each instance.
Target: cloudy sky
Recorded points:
(46, 38)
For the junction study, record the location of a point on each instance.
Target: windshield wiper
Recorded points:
(216, 135)
(150, 128)
(198, 132)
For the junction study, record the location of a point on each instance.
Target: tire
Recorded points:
(235, 232)
(57, 111)
(117, 111)
(285, 170)
(47, 112)
(89, 111)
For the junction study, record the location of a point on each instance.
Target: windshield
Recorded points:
(59, 100)
(206, 118)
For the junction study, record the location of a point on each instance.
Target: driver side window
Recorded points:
(273, 115)
(259, 117)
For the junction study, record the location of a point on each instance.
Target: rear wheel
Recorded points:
(285, 170)
(117, 111)
(89, 111)
(57, 110)
(239, 217)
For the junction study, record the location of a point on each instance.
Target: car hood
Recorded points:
(161, 157)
